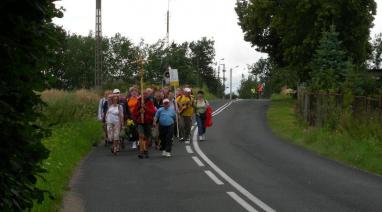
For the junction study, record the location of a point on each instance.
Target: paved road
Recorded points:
(242, 167)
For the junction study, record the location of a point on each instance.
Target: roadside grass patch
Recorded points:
(354, 142)
(67, 145)
(74, 128)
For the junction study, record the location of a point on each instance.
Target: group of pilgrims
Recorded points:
(153, 118)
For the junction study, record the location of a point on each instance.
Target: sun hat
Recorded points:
(116, 91)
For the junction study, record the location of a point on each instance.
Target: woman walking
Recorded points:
(201, 105)
(114, 121)
(132, 102)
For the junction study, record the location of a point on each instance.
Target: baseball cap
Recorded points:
(187, 90)
(116, 91)
(166, 101)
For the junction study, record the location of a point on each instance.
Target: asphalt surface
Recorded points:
(260, 172)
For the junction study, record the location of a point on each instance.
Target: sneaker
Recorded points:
(204, 137)
(164, 153)
(200, 138)
(134, 146)
(168, 154)
(146, 154)
(140, 156)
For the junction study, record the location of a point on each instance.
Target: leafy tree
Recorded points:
(289, 30)
(178, 58)
(376, 55)
(247, 87)
(330, 65)
(202, 57)
(25, 48)
(119, 59)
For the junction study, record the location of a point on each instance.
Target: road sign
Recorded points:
(174, 79)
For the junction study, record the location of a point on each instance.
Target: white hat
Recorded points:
(166, 101)
(116, 91)
(188, 90)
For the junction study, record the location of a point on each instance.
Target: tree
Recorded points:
(202, 57)
(330, 65)
(26, 46)
(290, 30)
(375, 61)
(247, 88)
(119, 59)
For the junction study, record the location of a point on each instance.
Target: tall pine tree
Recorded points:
(330, 64)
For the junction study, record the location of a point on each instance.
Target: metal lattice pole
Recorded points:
(98, 46)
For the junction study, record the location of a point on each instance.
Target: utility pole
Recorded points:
(168, 24)
(230, 84)
(224, 79)
(219, 72)
(98, 46)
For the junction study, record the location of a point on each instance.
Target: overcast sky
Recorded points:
(190, 20)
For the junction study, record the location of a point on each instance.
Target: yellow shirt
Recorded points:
(186, 102)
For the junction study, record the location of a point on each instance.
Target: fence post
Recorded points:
(306, 106)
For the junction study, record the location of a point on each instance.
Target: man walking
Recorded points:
(186, 111)
(166, 117)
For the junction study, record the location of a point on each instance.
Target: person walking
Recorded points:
(165, 116)
(132, 102)
(144, 117)
(201, 105)
(158, 103)
(186, 112)
(102, 109)
(114, 120)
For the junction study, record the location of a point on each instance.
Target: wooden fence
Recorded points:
(317, 108)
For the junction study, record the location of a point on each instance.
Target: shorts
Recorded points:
(145, 129)
(113, 131)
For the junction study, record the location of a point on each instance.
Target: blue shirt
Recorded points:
(166, 116)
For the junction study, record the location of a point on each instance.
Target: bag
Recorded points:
(208, 123)
(124, 133)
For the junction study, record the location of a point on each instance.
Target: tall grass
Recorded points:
(353, 141)
(63, 106)
(72, 119)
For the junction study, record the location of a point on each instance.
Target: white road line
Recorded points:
(241, 202)
(213, 177)
(198, 161)
(220, 108)
(189, 149)
(222, 174)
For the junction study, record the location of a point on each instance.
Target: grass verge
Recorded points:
(67, 145)
(360, 151)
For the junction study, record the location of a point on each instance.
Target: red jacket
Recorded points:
(149, 114)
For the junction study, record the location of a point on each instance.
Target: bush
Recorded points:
(25, 47)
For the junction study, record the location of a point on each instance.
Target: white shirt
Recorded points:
(112, 115)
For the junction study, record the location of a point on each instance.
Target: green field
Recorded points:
(356, 143)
